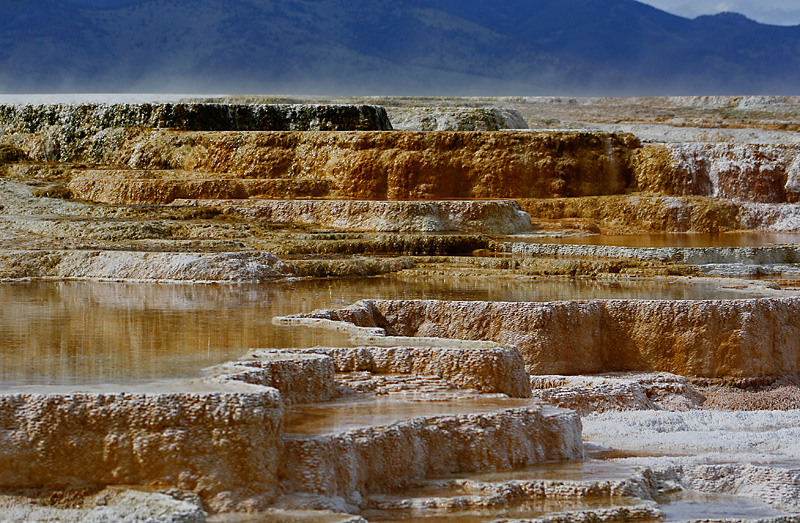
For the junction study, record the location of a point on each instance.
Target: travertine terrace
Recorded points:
(453, 404)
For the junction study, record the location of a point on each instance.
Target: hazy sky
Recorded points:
(780, 12)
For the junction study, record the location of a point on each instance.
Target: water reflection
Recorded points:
(690, 505)
(524, 510)
(70, 333)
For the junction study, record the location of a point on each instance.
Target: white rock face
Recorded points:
(698, 432)
(455, 119)
(144, 266)
(490, 217)
(742, 172)
(771, 217)
(754, 454)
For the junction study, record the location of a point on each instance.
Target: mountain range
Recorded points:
(424, 47)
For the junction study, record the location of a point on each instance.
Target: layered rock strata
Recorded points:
(633, 489)
(237, 451)
(144, 266)
(380, 165)
(490, 217)
(491, 370)
(690, 338)
(531, 165)
(637, 212)
(65, 132)
(755, 173)
(224, 446)
(377, 459)
(779, 254)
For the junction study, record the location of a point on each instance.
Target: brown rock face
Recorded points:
(642, 212)
(690, 338)
(391, 165)
(11, 154)
(226, 447)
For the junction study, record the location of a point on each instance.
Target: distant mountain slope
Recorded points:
(390, 46)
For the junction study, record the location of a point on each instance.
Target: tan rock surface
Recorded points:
(489, 217)
(641, 212)
(690, 338)
(390, 165)
(223, 446)
(150, 191)
(300, 378)
(492, 370)
(378, 459)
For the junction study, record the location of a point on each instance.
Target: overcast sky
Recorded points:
(780, 12)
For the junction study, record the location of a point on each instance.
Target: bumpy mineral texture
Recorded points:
(144, 266)
(66, 131)
(630, 213)
(455, 119)
(224, 446)
(300, 378)
(490, 217)
(493, 370)
(755, 173)
(701, 338)
(376, 459)
(383, 165)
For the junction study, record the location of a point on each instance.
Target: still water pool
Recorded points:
(80, 333)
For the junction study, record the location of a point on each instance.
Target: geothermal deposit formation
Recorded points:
(262, 309)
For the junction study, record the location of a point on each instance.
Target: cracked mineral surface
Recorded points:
(259, 309)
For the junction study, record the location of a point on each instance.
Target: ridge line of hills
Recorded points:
(453, 47)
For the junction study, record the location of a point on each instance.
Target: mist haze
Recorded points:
(414, 47)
